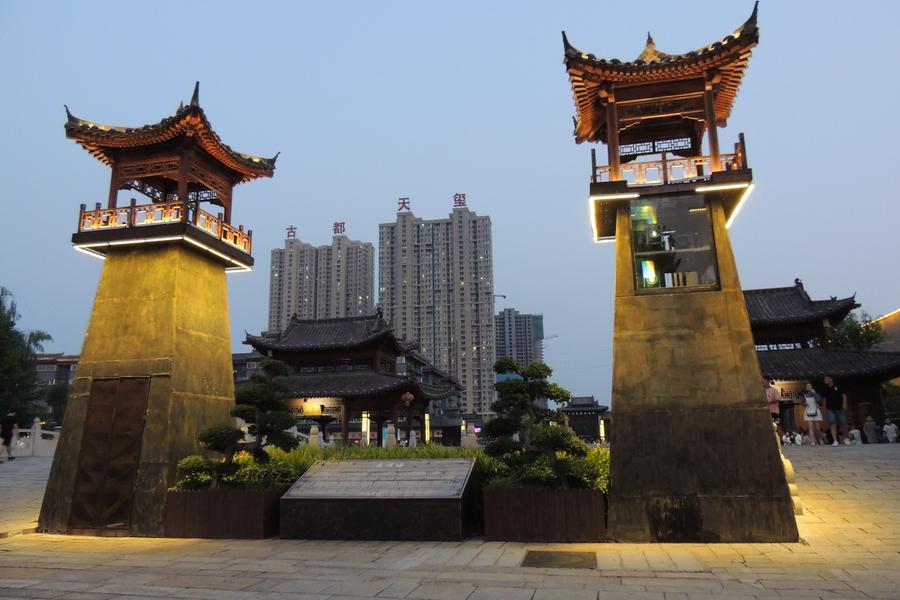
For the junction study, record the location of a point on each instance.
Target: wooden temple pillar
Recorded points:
(113, 185)
(607, 92)
(345, 423)
(379, 422)
(183, 185)
(711, 79)
(395, 416)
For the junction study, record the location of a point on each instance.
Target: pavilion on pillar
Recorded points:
(693, 456)
(344, 367)
(178, 164)
(155, 367)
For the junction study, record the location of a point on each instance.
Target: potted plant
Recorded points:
(549, 486)
(237, 495)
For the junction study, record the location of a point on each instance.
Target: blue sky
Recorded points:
(368, 102)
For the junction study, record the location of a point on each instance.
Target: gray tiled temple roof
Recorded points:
(322, 334)
(815, 363)
(793, 305)
(352, 384)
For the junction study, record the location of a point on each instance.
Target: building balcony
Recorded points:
(164, 222)
(725, 178)
(666, 170)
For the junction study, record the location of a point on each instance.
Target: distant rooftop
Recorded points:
(789, 305)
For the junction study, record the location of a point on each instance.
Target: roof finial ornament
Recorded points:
(181, 106)
(195, 99)
(69, 115)
(798, 282)
(274, 158)
(650, 40)
(568, 48)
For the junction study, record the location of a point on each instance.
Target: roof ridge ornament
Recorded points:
(195, 98)
(569, 49)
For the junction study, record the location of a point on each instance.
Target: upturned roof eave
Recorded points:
(99, 139)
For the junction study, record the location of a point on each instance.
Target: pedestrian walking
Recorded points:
(836, 403)
(870, 428)
(890, 431)
(8, 430)
(773, 396)
(812, 414)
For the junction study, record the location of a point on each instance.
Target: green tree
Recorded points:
(856, 333)
(57, 398)
(890, 396)
(531, 450)
(17, 360)
(260, 402)
(517, 405)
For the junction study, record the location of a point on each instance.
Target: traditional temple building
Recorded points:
(685, 374)
(155, 368)
(790, 332)
(588, 418)
(354, 368)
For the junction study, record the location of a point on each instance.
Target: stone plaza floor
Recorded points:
(850, 548)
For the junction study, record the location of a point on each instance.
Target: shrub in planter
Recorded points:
(548, 485)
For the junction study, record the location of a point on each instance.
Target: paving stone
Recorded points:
(851, 549)
(442, 591)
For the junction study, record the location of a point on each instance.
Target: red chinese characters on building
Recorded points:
(291, 232)
(339, 227)
(403, 204)
(459, 200)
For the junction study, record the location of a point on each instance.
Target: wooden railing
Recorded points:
(145, 215)
(671, 170)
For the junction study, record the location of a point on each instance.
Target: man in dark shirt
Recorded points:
(8, 428)
(836, 403)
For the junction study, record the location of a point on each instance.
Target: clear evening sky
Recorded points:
(371, 101)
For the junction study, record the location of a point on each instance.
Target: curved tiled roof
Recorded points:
(102, 140)
(815, 363)
(587, 73)
(354, 384)
(772, 306)
(324, 334)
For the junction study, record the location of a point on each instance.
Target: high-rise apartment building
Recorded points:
(520, 336)
(436, 287)
(320, 282)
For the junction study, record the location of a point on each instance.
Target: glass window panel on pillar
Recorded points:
(672, 242)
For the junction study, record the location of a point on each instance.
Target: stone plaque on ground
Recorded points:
(423, 499)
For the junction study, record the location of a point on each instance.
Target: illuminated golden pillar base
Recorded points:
(154, 371)
(692, 452)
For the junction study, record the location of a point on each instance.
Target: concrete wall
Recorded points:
(160, 312)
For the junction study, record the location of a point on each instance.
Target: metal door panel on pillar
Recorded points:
(108, 462)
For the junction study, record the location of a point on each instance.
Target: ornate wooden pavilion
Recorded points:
(345, 367)
(685, 373)
(178, 164)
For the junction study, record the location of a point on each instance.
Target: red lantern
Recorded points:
(407, 398)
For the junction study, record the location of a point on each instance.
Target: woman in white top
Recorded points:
(812, 412)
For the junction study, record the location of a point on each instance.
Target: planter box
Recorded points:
(539, 515)
(223, 514)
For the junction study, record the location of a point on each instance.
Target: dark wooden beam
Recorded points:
(608, 94)
(709, 105)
